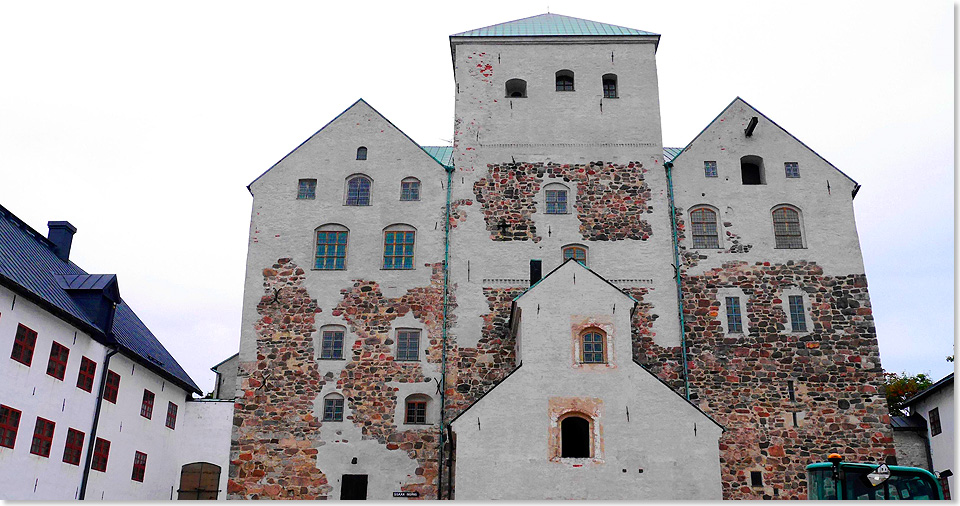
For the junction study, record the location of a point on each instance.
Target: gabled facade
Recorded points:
(744, 276)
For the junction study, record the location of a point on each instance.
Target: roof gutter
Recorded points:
(96, 421)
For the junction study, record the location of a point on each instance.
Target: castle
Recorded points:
(556, 306)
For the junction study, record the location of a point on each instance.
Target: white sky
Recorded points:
(142, 123)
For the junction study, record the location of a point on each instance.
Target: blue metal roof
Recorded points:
(670, 153)
(28, 262)
(550, 24)
(442, 154)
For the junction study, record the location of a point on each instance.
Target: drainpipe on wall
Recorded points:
(676, 266)
(443, 341)
(96, 420)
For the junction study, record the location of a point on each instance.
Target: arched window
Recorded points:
(751, 170)
(410, 189)
(576, 252)
(398, 246)
(415, 409)
(575, 440)
(593, 346)
(358, 190)
(516, 88)
(331, 254)
(362, 153)
(199, 480)
(333, 408)
(556, 196)
(786, 227)
(564, 80)
(609, 86)
(704, 222)
(331, 342)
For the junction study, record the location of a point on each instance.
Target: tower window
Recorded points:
(576, 252)
(786, 228)
(751, 170)
(361, 153)
(307, 189)
(798, 320)
(410, 189)
(710, 169)
(516, 88)
(358, 191)
(575, 437)
(593, 347)
(734, 316)
(704, 221)
(792, 169)
(610, 86)
(564, 80)
(333, 408)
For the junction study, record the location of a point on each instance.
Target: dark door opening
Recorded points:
(199, 480)
(353, 486)
(575, 438)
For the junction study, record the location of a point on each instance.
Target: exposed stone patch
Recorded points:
(457, 213)
(610, 199)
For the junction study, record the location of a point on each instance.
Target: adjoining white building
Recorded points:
(91, 404)
(935, 405)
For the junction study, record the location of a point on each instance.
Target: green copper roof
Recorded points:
(550, 24)
(442, 154)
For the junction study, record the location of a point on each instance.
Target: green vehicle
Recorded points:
(851, 481)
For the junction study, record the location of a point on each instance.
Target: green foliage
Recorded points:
(901, 387)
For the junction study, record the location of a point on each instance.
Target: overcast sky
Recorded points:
(142, 123)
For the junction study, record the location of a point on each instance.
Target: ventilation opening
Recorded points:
(353, 486)
(516, 88)
(751, 170)
(575, 438)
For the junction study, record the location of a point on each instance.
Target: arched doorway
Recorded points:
(199, 480)
(575, 437)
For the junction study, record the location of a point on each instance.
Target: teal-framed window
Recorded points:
(331, 253)
(593, 347)
(398, 249)
(734, 316)
(798, 317)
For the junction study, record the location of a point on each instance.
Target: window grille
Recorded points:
(577, 253)
(331, 345)
(792, 169)
(42, 437)
(171, 421)
(23, 344)
(9, 424)
(556, 201)
(710, 169)
(139, 466)
(57, 366)
(358, 191)
(416, 412)
(734, 318)
(398, 250)
(101, 452)
(88, 369)
(307, 189)
(704, 223)
(410, 190)
(408, 345)
(786, 228)
(331, 250)
(333, 409)
(798, 320)
(73, 447)
(593, 348)
(146, 408)
(112, 388)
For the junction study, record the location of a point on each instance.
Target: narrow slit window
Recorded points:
(734, 317)
(23, 345)
(786, 228)
(333, 409)
(398, 249)
(42, 437)
(331, 345)
(408, 345)
(710, 169)
(593, 347)
(9, 425)
(798, 319)
(88, 370)
(146, 407)
(704, 221)
(57, 366)
(358, 191)
(73, 447)
(307, 190)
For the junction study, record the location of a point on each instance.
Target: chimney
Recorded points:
(536, 271)
(61, 235)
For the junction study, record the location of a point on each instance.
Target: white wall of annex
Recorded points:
(942, 446)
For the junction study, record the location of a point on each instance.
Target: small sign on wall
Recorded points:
(406, 494)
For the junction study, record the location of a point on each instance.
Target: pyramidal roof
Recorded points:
(550, 24)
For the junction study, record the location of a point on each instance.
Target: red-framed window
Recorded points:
(57, 366)
(146, 409)
(139, 466)
(101, 451)
(88, 368)
(112, 387)
(9, 423)
(42, 437)
(171, 415)
(74, 447)
(23, 345)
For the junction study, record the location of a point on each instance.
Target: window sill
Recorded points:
(357, 205)
(331, 359)
(393, 269)
(611, 98)
(803, 247)
(333, 421)
(298, 198)
(407, 360)
(335, 270)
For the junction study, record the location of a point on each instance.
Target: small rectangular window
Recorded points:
(792, 169)
(57, 366)
(934, 416)
(734, 317)
(408, 345)
(146, 408)
(710, 169)
(101, 452)
(416, 412)
(798, 319)
(112, 388)
(307, 189)
(556, 201)
(139, 466)
(88, 369)
(171, 415)
(333, 410)
(410, 190)
(756, 478)
(331, 346)
(42, 437)
(9, 424)
(23, 344)
(73, 447)
(398, 250)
